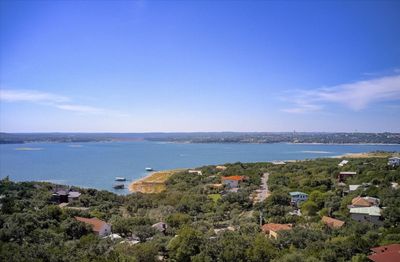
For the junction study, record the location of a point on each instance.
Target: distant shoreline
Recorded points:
(189, 142)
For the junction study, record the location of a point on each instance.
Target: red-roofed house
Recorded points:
(99, 227)
(389, 253)
(232, 181)
(332, 223)
(273, 229)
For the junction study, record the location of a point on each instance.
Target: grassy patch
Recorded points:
(215, 197)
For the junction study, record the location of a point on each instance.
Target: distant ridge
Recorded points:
(208, 137)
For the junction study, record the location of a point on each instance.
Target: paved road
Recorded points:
(263, 192)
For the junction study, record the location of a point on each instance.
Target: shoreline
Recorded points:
(367, 155)
(154, 182)
(189, 142)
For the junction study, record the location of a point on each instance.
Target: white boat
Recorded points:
(120, 178)
(149, 169)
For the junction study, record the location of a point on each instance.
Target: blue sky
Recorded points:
(115, 66)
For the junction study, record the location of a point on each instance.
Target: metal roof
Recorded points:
(372, 211)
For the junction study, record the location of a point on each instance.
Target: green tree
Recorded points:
(261, 250)
(186, 244)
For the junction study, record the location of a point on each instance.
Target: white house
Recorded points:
(344, 162)
(298, 197)
(193, 171)
(394, 161)
(99, 227)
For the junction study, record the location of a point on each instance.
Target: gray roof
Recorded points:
(74, 194)
(372, 211)
(296, 193)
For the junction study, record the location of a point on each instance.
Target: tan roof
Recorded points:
(361, 202)
(275, 227)
(331, 222)
(96, 223)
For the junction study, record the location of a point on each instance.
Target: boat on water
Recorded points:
(120, 178)
(118, 186)
(149, 169)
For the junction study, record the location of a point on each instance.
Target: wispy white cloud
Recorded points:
(356, 96)
(302, 107)
(53, 100)
(31, 96)
(80, 108)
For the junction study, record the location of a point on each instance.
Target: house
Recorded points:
(99, 227)
(193, 171)
(344, 162)
(221, 168)
(364, 202)
(353, 187)
(298, 197)
(388, 253)
(332, 222)
(64, 196)
(73, 195)
(366, 214)
(160, 226)
(60, 196)
(232, 181)
(344, 175)
(273, 229)
(394, 161)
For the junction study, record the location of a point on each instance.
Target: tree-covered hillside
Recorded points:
(207, 222)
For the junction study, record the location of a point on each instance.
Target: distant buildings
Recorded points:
(99, 227)
(298, 197)
(332, 222)
(272, 229)
(394, 161)
(345, 174)
(388, 253)
(232, 181)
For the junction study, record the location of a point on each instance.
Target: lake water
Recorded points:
(96, 165)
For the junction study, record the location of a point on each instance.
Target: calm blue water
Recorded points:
(97, 164)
